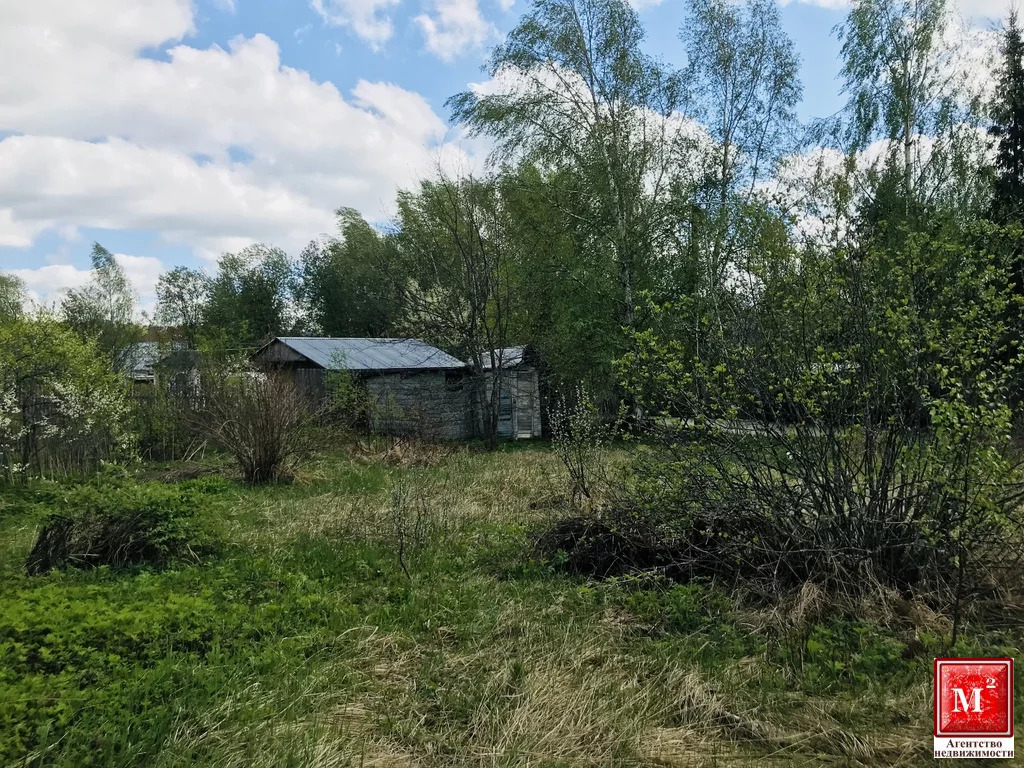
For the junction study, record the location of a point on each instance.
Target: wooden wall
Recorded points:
(431, 404)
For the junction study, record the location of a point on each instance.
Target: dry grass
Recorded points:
(525, 693)
(490, 673)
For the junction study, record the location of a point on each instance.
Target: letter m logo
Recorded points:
(961, 703)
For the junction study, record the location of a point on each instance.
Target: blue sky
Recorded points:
(173, 130)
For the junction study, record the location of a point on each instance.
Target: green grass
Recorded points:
(305, 642)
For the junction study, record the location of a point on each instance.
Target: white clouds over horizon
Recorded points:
(102, 136)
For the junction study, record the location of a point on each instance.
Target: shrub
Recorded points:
(852, 433)
(118, 524)
(62, 410)
(578, 435)
(263, 420)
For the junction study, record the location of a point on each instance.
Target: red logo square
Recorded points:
(973, 697)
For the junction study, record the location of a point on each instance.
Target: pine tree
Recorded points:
(1008, 128)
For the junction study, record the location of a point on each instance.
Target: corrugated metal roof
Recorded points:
(141, 357)
(370, 354)
(508, 357)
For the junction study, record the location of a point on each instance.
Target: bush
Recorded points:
(62, 410)
(263, 420)
(852, 433)
(124, 523)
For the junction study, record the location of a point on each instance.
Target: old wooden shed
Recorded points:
(414, 388)
(518, 383)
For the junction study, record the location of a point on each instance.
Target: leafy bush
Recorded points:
(62, 410)
(870, 449)
(117, 524)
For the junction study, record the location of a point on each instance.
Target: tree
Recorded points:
(845, 436)
(906, 90)
(181, 301)
(61, 406)
(251, 295)
(453, 246)
(104, 309)
(577, 94)
(566, 288)
(1008, 128)
(744, 74)
(343, 287)
(12, 298)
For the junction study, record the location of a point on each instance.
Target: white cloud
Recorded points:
(367, 18)
(47, 285)
(507, 4)
(454, 27)
(308, 148)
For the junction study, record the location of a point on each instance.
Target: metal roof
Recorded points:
(370, 354)
(508, 357)
(142, 357)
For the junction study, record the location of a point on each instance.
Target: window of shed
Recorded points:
(454, 381)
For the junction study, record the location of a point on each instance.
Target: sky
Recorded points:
(171, 131)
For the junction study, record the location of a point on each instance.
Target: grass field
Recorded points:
(388, 610)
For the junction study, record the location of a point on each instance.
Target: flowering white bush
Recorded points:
(61, 407)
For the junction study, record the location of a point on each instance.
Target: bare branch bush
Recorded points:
(262, 419)
(579, 437)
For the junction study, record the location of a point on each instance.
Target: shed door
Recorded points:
(506, 408)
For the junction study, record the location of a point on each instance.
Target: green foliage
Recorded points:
(250, 296)
(123, 523)
(103, 310)
(12, 298)
(849, 656)
(181, 302)
(877, 438)
(1008, 128)
(98, 671)
(61, 407)
(345, 285)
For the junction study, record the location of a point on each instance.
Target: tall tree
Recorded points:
(181, 299)
(744, 74)
(343, 286)
(454, 247)
(1008, 128)
(251, 295)
(575, 92)
(12, 297)
(104, 309)
(906, 89)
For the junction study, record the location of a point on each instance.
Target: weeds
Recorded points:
(308, 641)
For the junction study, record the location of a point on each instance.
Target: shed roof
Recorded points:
(506, 357)
(370, 354)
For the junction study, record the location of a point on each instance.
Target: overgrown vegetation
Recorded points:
(117, 523)
(782, 384)
(309, 640)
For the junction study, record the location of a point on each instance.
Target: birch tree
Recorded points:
(103, 310)
(572, 91)
(907, 91)
(743, 72)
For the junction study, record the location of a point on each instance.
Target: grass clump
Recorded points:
(120, 523)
